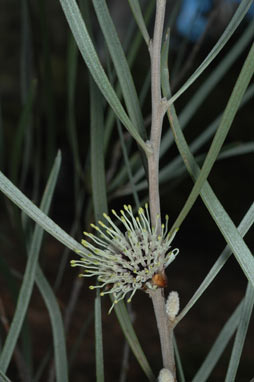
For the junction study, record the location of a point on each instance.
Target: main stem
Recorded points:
(157, 114)
(158, 111)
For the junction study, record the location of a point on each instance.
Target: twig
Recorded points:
(158, 112)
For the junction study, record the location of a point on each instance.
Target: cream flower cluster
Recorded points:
(126, 262)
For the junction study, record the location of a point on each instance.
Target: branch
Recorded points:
(158, 112)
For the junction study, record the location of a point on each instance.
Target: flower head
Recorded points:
(126, 262)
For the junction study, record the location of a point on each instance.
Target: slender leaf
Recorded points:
(230, 29)
(198, 98)
(4, 378)
(137, 13)
(99, 203)
(215, 208)
(18, 198)
(132, 54)
(238, 149)
(42, 366)
(121, 65)
(61, 362)
(97, 154)
(241, 334)
(127, 165)
(170, 169)
(29, 276)
(219, 345)
(98, 339)
(216, 76)
(243, 228)
(72, 61)
(89, 54)
(130, 335)
(179, 365)
(175, 168)
(77, 344)
(223, 221)
(220, 136)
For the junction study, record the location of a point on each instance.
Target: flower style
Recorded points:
(124, 263)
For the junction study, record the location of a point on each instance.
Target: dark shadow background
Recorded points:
(199, 239)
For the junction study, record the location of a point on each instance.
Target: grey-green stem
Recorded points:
(158, 112)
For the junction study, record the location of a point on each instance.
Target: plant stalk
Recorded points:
(165, 330)
(158, 112)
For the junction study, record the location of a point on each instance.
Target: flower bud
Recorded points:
(172, 305)
(165, 376)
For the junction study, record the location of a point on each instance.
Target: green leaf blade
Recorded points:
(241, 334)
(91, 59)
(137, 13)
(120, 64)
(29, 276)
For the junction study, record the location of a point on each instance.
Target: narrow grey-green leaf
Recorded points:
(121, 66)
(127, 165)
(72, 62)
(18, 198)
(137, 13)
(223, 221)
(99, 195)
(130, 335)
(132, 54)
(230, 29)
(61, 362)
(4, 378)
(221, 218)
(170, 169)
(219, 346)
(243, 228)
(221, 133)
(98, 176)
(241, 334)
(29, 276)
(86, 47)
(179, 365)
(216, 75)
(238, 149)
(98, 339)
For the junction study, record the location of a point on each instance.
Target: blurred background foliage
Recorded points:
(45, 106)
